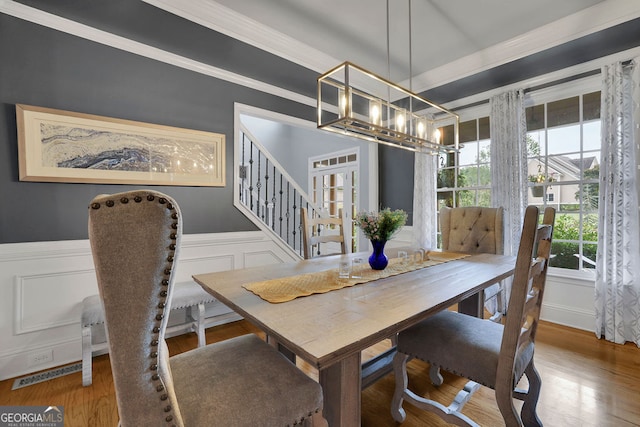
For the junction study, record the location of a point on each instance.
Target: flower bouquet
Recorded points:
(379, 227)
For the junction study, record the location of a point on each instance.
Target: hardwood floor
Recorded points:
(585, 382)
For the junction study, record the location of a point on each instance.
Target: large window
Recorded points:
(563, 142)
(563, 146)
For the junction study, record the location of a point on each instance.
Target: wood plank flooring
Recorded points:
(585, 382)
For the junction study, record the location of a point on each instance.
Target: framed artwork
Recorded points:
(64, 146)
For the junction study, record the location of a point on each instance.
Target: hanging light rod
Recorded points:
(356, 102)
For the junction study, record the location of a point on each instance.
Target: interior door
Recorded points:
(333, 180)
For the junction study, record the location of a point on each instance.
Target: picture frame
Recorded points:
(65, 146)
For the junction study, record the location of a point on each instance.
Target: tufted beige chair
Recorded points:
(135, 242)
(487, 353)
(473, 230)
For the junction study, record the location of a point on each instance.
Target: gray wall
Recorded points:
(44, 67)
(49, 68)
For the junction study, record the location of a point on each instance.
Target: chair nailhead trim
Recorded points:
(165, 282)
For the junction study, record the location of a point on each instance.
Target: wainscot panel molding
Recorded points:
(42, 285)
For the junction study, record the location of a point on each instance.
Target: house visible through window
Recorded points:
(563, 144)
(563, 161)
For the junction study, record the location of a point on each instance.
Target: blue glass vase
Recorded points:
(378, 260)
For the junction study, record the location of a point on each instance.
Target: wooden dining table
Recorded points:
(330, 330)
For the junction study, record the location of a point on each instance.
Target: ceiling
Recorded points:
(442, 31)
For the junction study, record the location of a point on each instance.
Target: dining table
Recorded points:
(330, 329)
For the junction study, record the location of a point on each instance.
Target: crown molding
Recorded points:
(220, 18)
(68, 26)
(591, 20)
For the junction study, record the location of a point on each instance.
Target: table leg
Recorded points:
(473, 305)
(341, 384)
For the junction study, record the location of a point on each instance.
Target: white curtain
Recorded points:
(424, 201)
(508, 170)
(509, 163)
(617, 293)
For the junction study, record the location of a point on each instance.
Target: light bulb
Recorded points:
(421, 129)
(374, 112)
(400, 121)
(343, 102)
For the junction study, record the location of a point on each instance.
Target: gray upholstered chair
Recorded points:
(135, 242)
(487, 353)
(315, 232)
(473, 230)
(187, 295)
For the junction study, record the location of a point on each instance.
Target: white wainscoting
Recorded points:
(42, 285)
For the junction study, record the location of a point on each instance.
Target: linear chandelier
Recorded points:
(356, 102)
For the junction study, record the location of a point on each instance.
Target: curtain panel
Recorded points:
(425, 223)
(617, 290)
(508, 129)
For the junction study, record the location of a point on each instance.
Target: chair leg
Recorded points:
(529, 416)
(200, 326)
(87, 354)
(435, 375)
(402, 382)
(504, 399)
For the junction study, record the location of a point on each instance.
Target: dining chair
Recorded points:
(487, 353)
(135, 242)
(317, 231)
(475, 229)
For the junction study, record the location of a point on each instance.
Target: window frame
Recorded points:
(548, 94)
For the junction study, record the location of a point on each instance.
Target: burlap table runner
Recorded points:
(292, 287)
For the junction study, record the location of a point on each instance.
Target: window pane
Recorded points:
(466, 198)
(565, 139)
(591, 136)
(591, 106)
(589, 256)
(484, 126)
(564, 254)
(468, 131)
(446, 178)
(563, 112)
(484, 175)
(590, 197)
(484, 147)
(447, 135)
(484, 198)
(535, 117)
(468, 176)
(536, 144)
(468, 153)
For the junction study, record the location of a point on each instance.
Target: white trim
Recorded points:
(575, 70)
(80, 30)
(227, 21)
(595, 18)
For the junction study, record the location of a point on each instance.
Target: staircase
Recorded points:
(268, 196)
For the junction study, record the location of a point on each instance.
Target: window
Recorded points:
(465, 179)
(563, 145)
